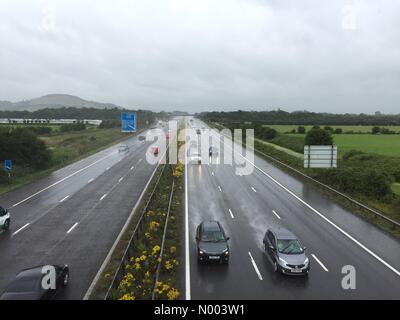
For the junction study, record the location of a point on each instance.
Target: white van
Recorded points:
(4, 219)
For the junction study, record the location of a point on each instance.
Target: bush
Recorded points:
(318, 137)
(42, 130)
(23, 148)
(338, 131)
(72, 127)
(349, 154)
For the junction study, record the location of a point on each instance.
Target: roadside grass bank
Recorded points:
(347, 129)
(368, 186)
(149, 249)
(66, 148)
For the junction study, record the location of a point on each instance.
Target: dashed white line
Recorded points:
(105, 195)
(277, 215)
(320, 263)
(65, 198)
(59, 181)
(219, 187)
(91, 180)
(230, 211)
(107, 168)
(120, 179)
(72, 228)
(20, 229)
(132, 168)
(212, 172)
(255, 266)
(140, 160)
(254, 189)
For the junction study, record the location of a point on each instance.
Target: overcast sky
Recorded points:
(198, 55)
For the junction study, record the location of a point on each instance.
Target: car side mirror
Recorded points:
(271, 247)
(304, 248)
(227, 238)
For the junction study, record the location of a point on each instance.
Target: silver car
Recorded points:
(286, 252)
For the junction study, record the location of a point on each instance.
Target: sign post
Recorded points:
(128, 122)
(8, 167)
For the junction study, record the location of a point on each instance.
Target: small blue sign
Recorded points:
(8, 165)
(128, 122)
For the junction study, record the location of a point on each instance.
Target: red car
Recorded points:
(156, 150)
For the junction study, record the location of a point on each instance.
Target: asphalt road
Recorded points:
(247, 205)
(74, 215)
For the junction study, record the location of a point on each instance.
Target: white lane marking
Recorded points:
(72, 228)
(107, 168)
(219, 187)
(62, 180)
(132, 168)
(140, 160)
(320, 263)
(120, 179)
(91, 180)
(230, 211)
(277, 215)
(119, 160)
(212, 172)
(255, 266)
(187, 256)
(20, 229)
(65, 198)
(254, 189)
(105, 195)
(322, 216)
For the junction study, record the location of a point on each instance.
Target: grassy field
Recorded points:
(386, 145)
(396, 188)
(363, 129)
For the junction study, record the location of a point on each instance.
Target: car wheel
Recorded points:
(6, 225)
(65, 279)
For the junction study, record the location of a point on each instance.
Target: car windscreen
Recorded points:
(25, 285)
(289, 246)
(212, 236)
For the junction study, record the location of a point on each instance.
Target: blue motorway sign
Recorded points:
(8, 165)
(128, 121)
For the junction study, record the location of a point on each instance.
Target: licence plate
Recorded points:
(213, 257)
(296, 270)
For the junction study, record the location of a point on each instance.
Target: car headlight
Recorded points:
(226, 251)
(201, 252)
(306, 261)
(283, 261)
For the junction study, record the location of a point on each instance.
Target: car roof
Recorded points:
(283, 233)
(211, 225)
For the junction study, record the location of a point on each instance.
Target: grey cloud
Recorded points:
(200, 55)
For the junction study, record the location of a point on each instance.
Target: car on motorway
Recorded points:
(28, 283)
(195, 158)
(142, 138)
(212, 243)
(198, 131)
(123, 148)
(286, 252)
(212, 151)
(5, 219)
(156, 150)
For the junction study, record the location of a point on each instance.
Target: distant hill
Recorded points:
(54, 101)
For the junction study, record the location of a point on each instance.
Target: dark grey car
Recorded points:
(212, 243)
(286, 252)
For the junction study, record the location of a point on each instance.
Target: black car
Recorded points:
(142, 138)
(27, 285)
(286, 252)
(212, 243)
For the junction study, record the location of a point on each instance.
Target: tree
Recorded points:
(338, 131)
(376, 130)
(318, 137)
(301, 130)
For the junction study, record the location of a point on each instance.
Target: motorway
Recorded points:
(74, 215)
(247, 205)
